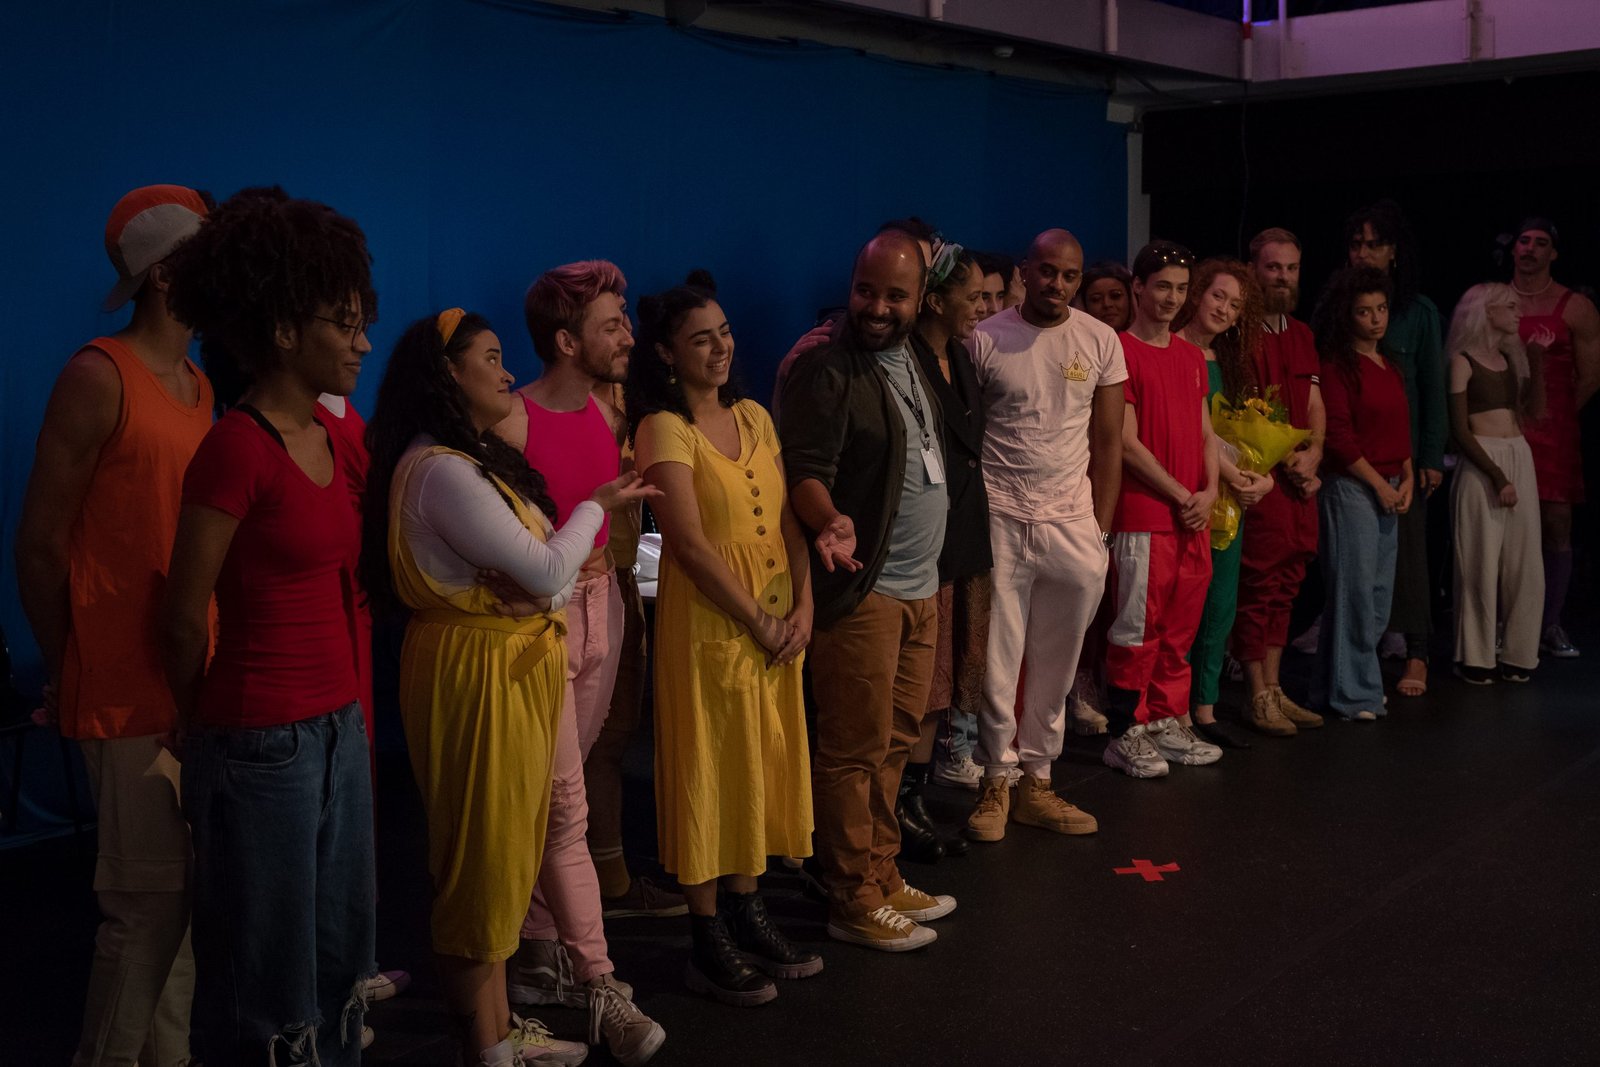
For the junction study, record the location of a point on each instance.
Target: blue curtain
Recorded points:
(478, 143)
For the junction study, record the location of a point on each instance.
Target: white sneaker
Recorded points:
(1307, 642)
(1178, 743)
(958, 773)
(533, 1042)
(541, 973)
(1134, 755)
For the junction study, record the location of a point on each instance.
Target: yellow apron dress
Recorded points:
(480, 697)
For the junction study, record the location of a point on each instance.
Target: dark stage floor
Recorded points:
(1421, 890)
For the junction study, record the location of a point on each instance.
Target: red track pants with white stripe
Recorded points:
(1159, 582)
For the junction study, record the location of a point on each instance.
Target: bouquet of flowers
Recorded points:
(1260, 435)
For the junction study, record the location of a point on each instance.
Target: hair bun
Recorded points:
(700, 278)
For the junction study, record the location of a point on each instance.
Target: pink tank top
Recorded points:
(576, 452)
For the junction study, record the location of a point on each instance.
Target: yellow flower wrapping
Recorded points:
(1260, 438)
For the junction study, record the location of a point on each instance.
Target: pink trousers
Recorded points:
(566, 899)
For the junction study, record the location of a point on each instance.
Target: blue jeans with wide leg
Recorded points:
(284, 922)
(1358, 546)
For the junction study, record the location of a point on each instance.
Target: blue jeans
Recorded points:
(284, 920)
(1359, 543)
(957, 735)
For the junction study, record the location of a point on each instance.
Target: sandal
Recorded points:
(1409, 685)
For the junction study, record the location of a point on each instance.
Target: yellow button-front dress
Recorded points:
(733, 774)
(480, 697)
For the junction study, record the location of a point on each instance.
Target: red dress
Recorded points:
(1554, 439)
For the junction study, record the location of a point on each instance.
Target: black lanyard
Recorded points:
(914, 401)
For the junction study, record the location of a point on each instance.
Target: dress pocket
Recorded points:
(729, 666)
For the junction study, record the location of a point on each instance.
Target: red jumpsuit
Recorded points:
(1281, 536)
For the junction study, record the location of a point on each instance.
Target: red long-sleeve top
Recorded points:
(1368, 418)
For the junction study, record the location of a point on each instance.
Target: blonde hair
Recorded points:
(1471, 333)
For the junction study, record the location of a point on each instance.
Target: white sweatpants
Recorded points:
(1048, 579)
(1499, 569)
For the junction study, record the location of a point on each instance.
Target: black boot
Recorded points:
(919, 838)
(719, 969)
(762, 942)
(917, 811)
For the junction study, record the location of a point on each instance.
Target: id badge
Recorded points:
(934, 464)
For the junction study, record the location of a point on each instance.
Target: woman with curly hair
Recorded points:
(1495, 384)
(1378, 236)
(733, 781)
(458, 529)
(1367, 485)
(1222, 317)
(276, 785)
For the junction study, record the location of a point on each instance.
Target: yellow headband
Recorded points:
(447, 322)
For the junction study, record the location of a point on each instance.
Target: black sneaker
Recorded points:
(1476, 675)
(1512, 673)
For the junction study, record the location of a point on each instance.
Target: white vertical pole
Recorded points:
(1138, 200)
(1247, 44)
(1285, 42)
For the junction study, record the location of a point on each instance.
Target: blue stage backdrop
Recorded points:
(480, 142)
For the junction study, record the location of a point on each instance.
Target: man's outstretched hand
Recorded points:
(836, 545)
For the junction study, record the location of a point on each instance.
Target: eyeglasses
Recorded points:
(1358, 244)
(351, 330)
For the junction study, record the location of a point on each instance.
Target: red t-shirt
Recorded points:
(1289, 360)
(1167, 387)
(1367, 419)
(285, 594)
(349, 433)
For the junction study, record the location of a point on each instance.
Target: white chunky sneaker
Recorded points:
(1178, 743)
(1134, 755)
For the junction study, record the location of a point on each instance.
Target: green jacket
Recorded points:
(1415, 345)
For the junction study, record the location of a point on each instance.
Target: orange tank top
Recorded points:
(112, 683)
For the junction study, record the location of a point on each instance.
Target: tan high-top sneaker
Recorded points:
(1264, 717)
(1304, 718)
(1038, 805)
(988, 820)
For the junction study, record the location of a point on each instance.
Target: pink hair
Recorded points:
(558, 299)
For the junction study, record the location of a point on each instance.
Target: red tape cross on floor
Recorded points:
(1150, 872)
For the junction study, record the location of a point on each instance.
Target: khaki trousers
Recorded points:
(870, 674)
(142, 979)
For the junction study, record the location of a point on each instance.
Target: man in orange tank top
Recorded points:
(98, 522)
(1568, 327)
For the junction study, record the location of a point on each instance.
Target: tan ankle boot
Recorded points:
(1264, 717)
(1304, 718)
(1038, 805)
(988, 820)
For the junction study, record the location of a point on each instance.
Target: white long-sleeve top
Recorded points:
(457, 524)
